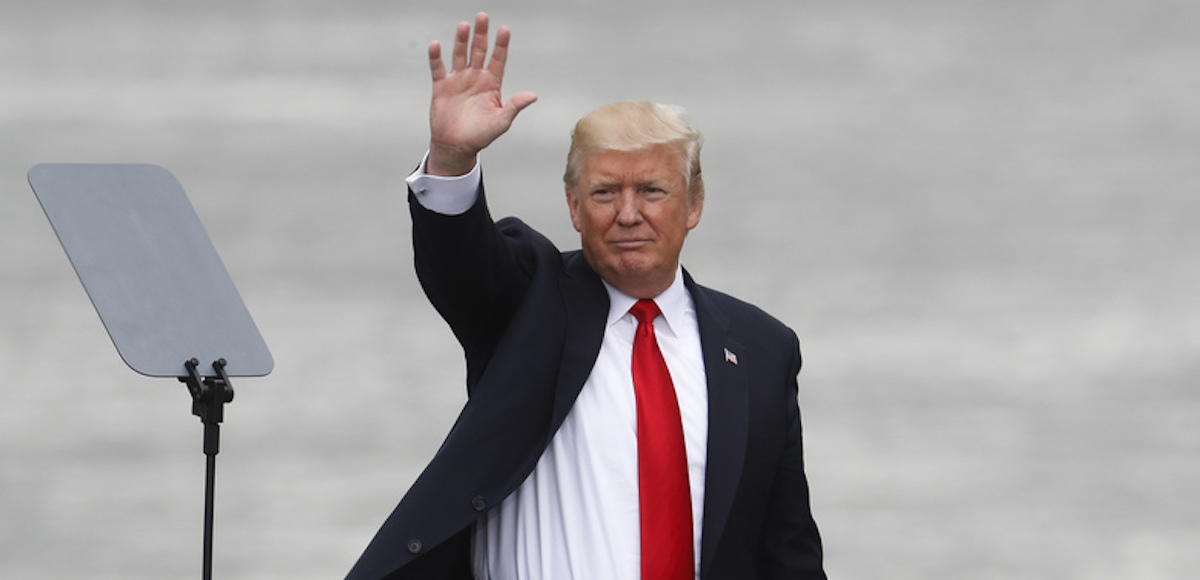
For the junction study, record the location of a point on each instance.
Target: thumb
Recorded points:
(519, 102)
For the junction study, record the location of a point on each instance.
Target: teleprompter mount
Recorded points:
(209, 395)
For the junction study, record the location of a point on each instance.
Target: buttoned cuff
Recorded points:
(445, 195)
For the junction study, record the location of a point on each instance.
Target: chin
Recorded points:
(633, 269)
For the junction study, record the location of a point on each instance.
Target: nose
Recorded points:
(629, 208)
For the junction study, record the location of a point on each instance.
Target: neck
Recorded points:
(648, 288)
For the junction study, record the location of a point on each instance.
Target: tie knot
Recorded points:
(645, 311)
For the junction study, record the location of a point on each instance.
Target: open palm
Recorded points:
(467, 112)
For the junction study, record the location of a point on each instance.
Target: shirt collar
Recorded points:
(674, 302)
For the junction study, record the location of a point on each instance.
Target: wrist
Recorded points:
(445, 162)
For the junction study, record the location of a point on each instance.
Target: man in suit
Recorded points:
(622, 420)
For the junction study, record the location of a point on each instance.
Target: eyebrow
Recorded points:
(661, 182)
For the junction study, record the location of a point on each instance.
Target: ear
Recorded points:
(573, 205)
(696, 208)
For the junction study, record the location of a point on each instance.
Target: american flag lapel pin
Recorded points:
(730, 357)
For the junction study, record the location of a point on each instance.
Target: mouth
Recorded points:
(631, 244)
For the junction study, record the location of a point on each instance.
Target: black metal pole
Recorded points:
(209, 501)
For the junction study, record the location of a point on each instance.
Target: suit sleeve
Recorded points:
(474, 272)
(791, 546)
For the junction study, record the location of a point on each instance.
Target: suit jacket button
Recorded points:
(414, 546)
(478, 503)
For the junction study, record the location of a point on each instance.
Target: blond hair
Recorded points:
(633, 126)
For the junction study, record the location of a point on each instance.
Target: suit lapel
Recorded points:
(586, 303)
(728, 417)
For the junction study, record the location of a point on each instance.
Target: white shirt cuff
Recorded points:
(445, 195)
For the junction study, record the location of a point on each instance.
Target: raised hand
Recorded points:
(466, 112)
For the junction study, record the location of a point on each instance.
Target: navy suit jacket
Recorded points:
(530, 319)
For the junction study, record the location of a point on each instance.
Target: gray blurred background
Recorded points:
(978, 215)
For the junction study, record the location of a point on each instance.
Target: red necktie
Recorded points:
(665, 497)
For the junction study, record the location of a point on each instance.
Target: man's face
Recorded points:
(632, 213)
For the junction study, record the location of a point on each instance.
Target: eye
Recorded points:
(603, 194)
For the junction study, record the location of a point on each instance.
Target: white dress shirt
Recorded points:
(576, 516)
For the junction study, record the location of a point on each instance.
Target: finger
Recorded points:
(461, 35)
(500, 52)
(479, 43)
(436, 66)
(519, 101)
